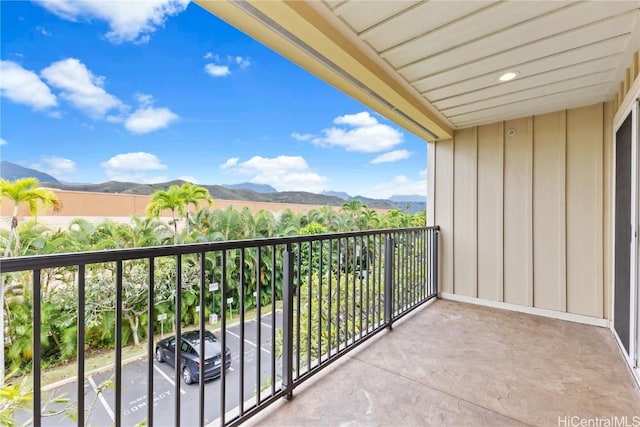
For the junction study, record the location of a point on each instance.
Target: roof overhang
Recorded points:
(432, 67)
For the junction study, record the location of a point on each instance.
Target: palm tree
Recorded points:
(177, 199)
(352, 207)
(396, 219)
(172, 199)
(288, 224)
(229, 223)
(265, 223)
(192, 195)
(24, 190)
(204, 227)
(368, 220)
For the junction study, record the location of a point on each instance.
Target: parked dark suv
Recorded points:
(190, 346)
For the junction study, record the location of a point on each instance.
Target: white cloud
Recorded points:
(24, 87)
(133, 167)
(391, 156)
(400, 185)
(149, 119)
(286, 173)
(302, 136)
(356, 120)
(134, 161)
(43, 31)
(58, 167)
(114, 119)
(365, 134)
(144, 99)
(129, 21)
(80, 87)
(85, 91)
(188, 178)
(229, 163)
(217, 70)
(3, 141)
(243, 62)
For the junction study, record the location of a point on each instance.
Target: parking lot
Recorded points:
(101, 406)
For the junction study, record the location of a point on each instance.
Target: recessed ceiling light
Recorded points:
(510, 75)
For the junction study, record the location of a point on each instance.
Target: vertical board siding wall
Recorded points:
(444, 210)
(549, 212)
(465, 193)
(584, 210)
(521, 208)
(490, 211)
(518, 239)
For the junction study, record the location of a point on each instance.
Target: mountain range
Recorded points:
(243, 191)
(11, 172)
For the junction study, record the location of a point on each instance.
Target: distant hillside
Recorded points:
(340, 194)
(410, 207)
(374, 203)
(243, 191)
(408, 198)
(258, 188)
(11, 172)
(221, 192)
(307, 198)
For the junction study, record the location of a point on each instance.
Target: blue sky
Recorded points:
(97, 91)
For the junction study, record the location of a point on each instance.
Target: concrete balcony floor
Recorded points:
(460, 365)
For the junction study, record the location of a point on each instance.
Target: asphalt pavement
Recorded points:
(101, 406)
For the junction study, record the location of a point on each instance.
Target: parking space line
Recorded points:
(253, 344)
(265, 324)
(166, 377)
(101, 397)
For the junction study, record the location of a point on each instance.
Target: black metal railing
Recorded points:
(287, 308)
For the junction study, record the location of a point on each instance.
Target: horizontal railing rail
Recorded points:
(284, 308)
(22, 263)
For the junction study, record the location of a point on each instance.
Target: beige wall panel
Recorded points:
(518, 257)
(608, 194)
(584, 210)
(490, 208)
(87, 204)
(444, 212)
(465, 245)
(549, 231)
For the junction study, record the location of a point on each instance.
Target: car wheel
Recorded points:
(159, 355)
(186, 376)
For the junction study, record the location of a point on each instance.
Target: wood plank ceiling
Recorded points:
(565, 53)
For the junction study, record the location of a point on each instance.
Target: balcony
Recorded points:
(525, 180)
(365, 300)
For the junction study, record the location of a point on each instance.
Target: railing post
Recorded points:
(287, 320)
(436, 234)
(388, 282)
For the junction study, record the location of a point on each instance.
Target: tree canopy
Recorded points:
(177, 199)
